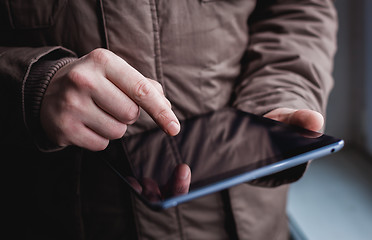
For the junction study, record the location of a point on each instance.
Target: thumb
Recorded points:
(304, 118)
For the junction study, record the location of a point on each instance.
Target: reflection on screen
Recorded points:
(214, 146)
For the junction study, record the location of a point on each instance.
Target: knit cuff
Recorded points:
(35, 86)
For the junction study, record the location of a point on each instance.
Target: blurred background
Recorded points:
(334, 198)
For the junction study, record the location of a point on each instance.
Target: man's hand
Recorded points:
(92, 100)
(304, 118)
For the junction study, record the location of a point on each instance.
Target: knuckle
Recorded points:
(158, 86)
(80, 80)
(119, 131)
(162, 116)
(128, 114)
(100, 56)
(141, 89)
(132, 114)
(113, 130)
(98, 145)
(74, 75)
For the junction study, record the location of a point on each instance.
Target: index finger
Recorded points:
(142, 92)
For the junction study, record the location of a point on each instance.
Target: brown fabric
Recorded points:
(253, 55)
(33, 91)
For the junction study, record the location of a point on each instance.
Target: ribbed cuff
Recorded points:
(36, 84)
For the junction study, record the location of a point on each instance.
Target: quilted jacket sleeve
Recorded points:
(288, 63)
(24, 76)
(289, 58)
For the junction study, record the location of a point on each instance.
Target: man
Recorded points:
(77, 74)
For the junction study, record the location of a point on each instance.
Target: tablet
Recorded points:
(222, 149)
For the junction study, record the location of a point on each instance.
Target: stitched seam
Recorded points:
(104, 25)
(139, 233)
(175, 150)
(179, 218)
(230, 224)
(157, 46)
(178, 159)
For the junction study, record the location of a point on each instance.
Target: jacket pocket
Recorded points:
(31, 14)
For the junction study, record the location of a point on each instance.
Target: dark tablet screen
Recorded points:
(217, 147)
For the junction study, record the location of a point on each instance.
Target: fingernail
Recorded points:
(173, 128)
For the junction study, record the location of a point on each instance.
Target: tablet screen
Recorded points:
(218, 147)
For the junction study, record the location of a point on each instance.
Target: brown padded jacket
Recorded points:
(207, 54)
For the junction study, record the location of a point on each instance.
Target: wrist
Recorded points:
(35, 86)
